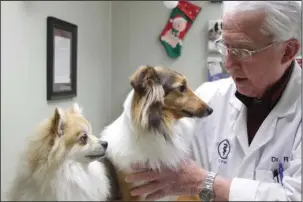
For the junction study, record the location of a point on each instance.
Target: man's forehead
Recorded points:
(243, 27)
(243, 19)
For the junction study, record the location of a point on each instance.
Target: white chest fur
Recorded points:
(82, 183)
(71, 182)
(126, 146)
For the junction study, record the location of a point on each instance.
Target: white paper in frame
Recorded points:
(214, 32)
(216, 69)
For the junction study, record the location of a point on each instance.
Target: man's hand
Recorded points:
(187, 180)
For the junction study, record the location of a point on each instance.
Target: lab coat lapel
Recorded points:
(240, 126)
(264, 134)
(240, 130)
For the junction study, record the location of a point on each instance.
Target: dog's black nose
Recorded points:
(104, 144)
(209, 110)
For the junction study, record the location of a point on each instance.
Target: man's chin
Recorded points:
(242, 82)
(245, 87)
(246, 90)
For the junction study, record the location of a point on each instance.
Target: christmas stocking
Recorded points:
(181, 19)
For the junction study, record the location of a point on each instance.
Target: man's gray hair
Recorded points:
(283, 18)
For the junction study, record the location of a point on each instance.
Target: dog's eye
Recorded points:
(182, 88)
(83, 138)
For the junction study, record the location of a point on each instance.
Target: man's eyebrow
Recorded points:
(241, 44)
(238, 41)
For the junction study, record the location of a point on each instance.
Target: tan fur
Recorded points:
(125, 188)
(38, 153)
(189, 198)
(174, 102)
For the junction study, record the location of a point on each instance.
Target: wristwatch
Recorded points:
(207, 192)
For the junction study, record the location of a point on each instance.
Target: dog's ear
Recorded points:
(144, 78)
(155, 120)
(76, 109)
(155, 115)
(57, 125)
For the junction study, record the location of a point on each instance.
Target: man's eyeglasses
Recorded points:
(241, 54)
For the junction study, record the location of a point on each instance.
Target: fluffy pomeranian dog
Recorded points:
(63, 162)
(153, 127)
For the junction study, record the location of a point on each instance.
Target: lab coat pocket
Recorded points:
(264, 176)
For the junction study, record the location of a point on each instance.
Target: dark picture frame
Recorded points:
(62, 40)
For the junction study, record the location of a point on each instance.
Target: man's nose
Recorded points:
(230, 62)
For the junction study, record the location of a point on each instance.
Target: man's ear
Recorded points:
(58, 122)
(144, 78)
(291, 50)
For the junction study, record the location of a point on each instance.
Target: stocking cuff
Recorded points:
(189, 9)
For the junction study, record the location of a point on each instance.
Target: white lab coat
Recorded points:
(251, 167)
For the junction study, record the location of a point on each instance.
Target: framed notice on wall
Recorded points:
(214, 33)
(216, 69)
(61, 59)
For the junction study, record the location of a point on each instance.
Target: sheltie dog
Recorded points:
(63, 162)
(155, 125)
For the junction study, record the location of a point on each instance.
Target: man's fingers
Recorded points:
(146, 166)
(147, 188)
(185, 191)
(142, 176)
(169, 191)
(139, 166)
(159, 194)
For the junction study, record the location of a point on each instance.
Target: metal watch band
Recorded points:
(207, 192)
(209, 181)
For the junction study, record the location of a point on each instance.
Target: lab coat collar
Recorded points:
(272, 95)
(288, 101)
(286, 104)
(234, 101)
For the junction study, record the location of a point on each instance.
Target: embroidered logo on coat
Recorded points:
(224, 149)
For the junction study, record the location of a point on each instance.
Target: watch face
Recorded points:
(206, 195)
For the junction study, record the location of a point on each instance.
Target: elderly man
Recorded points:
(250, 147)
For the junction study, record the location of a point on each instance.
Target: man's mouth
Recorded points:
(240, 79)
